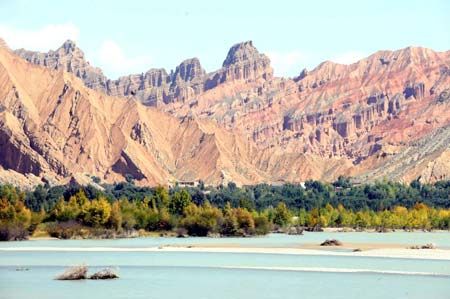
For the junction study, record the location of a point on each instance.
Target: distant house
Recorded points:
(188, 183)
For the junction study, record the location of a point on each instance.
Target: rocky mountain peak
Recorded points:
(70, 58)
(189, 70)
(241, 52)
(68, 46)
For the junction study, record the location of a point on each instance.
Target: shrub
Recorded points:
(13, 232)
(262, 225)
(64, 230)
(73, 273)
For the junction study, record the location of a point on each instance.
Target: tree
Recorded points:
(246, 204)
(229, 225)
(199, 221)
(129, 178)
(262, 225)
(245, 220)
(179, 201)
(164, 221)
(115, 219)
(362, 219)
(232, 186)
(37, 198)
(96, 212)
(60, 212)
(302, 217)
(15, 218)
(281, 214)
(161, 197)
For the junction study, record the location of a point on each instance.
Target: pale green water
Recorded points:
(272, 240)
(201, 275)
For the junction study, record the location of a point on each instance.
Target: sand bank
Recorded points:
(338, 270)
(439, 254)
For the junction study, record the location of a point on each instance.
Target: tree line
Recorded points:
(121, 208)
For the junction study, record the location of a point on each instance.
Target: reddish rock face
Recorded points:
(384, 115)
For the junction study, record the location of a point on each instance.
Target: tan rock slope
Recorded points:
(52, 126)
(383, 116)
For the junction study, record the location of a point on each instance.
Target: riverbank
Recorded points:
(373, 230)
(41, 234)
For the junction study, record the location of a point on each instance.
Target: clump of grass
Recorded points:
(107, 273)
(80, 272)
(74, 273)
(332, 242)
(426, 246)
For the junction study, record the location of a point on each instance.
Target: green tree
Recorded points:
(96, 212)
(281, 214)
(161, 197)
(115, 219)
(245, 220)
(302, 217)
(179, 201)
(199, 221)
(262, 225)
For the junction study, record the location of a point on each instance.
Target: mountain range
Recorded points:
(385, 116)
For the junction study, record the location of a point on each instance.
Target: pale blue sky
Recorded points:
(125, 37)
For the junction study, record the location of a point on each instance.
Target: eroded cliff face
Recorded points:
(370, 119)
(346, 113)
(52, 126)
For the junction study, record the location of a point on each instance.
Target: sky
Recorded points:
(124, 37)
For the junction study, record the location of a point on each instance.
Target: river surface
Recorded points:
(30, 274)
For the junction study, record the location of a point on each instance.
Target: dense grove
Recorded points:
(123, 208)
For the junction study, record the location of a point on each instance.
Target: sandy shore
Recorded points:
(434, 254)
(41, 238)
(338, 270)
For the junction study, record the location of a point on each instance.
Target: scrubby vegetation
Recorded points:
(74, 273)
(122, 209)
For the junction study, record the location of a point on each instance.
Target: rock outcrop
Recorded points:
(243, 63)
